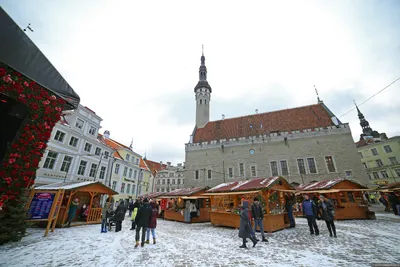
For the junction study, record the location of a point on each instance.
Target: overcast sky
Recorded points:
(135, 63)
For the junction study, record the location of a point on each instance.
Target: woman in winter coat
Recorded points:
(245, 228)
(120, 215)
(136, 207)
(153, 222)
(327, 213)
(72, 210)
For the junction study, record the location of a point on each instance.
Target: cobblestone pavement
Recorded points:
(359, 243)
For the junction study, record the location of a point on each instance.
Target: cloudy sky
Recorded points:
(135, 63)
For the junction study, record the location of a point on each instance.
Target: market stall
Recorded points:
(187, 205)
(226, 201)
(346, 195)
(89, 195)
(160, 201)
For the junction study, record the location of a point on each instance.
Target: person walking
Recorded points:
(327, 213)
(130, 208)
(72, 210)
(142, 221)
(394, 202)
(245, 227)
(289, 202)
(120, 215)
(104, 216)
(136, 207)
(153, 222)
(383, 200)
(310, 211)
(258, 217)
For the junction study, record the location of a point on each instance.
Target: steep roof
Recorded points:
(113, 144)
(286, 120)
(75, 185)
(253, 184)
(324, 184)
(143, 165)
(155, 166)
(19, 52)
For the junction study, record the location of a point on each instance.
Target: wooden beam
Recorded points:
(59, 203)
(92, 194)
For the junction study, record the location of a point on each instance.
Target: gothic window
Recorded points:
(274, 168)
(330, 164)
(311, 165)
(300, 164)
(284, 167)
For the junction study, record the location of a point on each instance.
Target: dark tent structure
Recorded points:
(21, 54)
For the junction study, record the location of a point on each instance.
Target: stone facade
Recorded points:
(215, 162)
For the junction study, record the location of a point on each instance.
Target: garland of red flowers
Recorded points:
(18, 169)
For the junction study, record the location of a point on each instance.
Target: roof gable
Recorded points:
(253, 184)
(76, 186)
(326, 184)
(286, 120)
(185, 191)
(155, 166)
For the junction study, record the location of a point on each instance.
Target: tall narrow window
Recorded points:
(66, 164)
(179, 181)
(205, 101)
(130, 173)
(300, 164)
(125, 171)
(59, 136)
(274, 168)
(114, 185)
(241, 169)
(387, 148)
(88, 147)
(82, 167)
(123, 188)
(106, 154)
(135, 174)
(128, 188)
(230, 172)
(330, 164)
(209, 174)
(253, 171)
(311, 165)
(50, 160)
(92, 130)
(102, 172)
(97, 151)
(128, 157)
(200, 101)
(284, 167)
(374, 151)
(92, 170)
(116, 168)
(196, 175)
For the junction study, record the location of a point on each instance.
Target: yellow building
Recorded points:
(381, 159)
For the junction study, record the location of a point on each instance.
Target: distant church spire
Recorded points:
(203, 68)
(131, 145)
(363, 122)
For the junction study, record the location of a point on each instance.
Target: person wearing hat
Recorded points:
(245, 227)
(328, 213)
(310, 210)
(142, 220)
(258, 217)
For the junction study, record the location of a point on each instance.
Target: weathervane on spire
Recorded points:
(202, 50)
(316, 91)
(131, 145)
(28, 27)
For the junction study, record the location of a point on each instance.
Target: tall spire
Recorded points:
(131, 145)
(363, 122)
(202, 73)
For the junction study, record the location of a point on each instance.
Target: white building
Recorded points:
(74, 152)
(170, 178)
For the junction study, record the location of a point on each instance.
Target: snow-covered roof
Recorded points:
(325, 184)
(152, 195)
(185, 191)
(253, 184)
(72, 185)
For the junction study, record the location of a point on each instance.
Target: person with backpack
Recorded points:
(120, 215)
(327, 212)
(310, 210)
(142, 220)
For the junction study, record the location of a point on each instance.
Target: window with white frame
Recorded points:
(376, 175)
(123, 188)
(387, 149)
(130, 173)
(135, 174)
(137, 161)
(379, 163)
(241, 169)
(209, 174)
(125, 171)
(114, 185)
(196, 175)
(106, 154)
(128, 157)
(88, 147)
(348, 173)
(93, 170)
(284, 167)
(73, 141)
(92, 130)
(79, 123)
(66, 164)
(393, 160)
(163, 181)
(158, 181)
(330, 164)
(50, 160)
(102, 172)
(116, 170)
(384, 174)
(301, 166)
(128, 188)
(82, 167)
(59, 136)
(311, 165)
(374, 151)
(133, 189)
(253, 170)
(97, 151)
(274, 168)
(158, 190)
(173, 181)
(168, 181)
(230, 172)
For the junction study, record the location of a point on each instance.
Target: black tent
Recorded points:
(21, 54)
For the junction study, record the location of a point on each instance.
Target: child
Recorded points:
(104, 216)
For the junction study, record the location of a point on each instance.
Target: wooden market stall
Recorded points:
(160, 201)
(346, 195)
(89, 194)
(187, 205)
(226, 201)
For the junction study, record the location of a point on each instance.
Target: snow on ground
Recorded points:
(359, 243)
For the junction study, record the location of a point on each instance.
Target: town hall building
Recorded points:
(301, 144)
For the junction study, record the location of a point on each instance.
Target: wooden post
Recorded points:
(90, 205)
(51, 215)
(59, 203)
(338, 199)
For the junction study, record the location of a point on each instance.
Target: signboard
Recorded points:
(163, 203)
(40, 206)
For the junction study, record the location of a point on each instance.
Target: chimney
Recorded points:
(223, 116)
(107, 134)
(256, 110)
(169, 164)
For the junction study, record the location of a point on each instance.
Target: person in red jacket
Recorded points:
(153, 222)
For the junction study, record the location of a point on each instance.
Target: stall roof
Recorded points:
(21, 54)
(248, 185)
(184, 192)
(74, 186)
(392, 185)
(152, 195)
(325, 184)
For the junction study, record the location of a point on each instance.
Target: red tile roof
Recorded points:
(253, 184)
(184, 191)
(143, 165)
(113, 144)
(155, 166)
(300, 118)
(325, 184)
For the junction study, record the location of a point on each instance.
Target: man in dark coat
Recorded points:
(289, 208)
(310, 210)
(120, 215)
(130, 208)
(245, 228)
(394, 201)
(142, 220)
(153, 222)
(258, 217)
(327, 213)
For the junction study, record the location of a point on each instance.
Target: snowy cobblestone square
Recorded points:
(359, 243)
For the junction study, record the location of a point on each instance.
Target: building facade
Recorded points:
(74, 152)
(170, 178)
(302, 144)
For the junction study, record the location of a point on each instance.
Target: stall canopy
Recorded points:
(331, 186)
(152, 195)
(21, 54)
(82, 186)
(249, 186)
(183, 192)
(390, 187)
